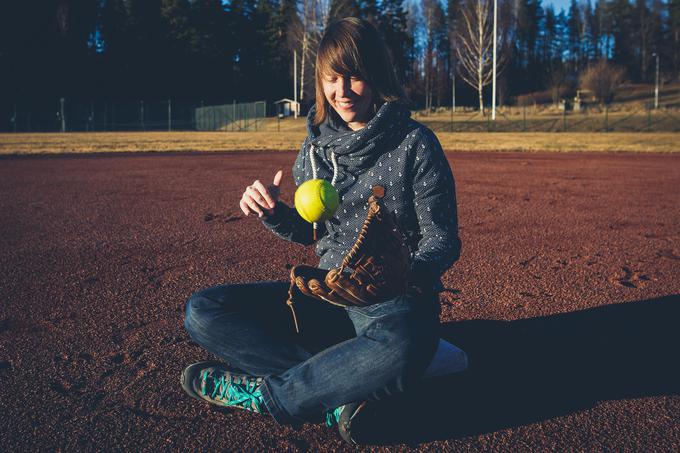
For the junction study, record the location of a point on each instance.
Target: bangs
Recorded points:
(342, 58)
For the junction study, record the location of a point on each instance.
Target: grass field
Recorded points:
(290, 140)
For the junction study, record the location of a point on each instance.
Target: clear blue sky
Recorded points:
(558, 4)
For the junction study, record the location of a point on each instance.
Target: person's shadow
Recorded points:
(538, 368)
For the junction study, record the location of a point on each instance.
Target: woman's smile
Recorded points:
(350, 97)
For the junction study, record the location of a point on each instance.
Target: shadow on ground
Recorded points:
(539, 368)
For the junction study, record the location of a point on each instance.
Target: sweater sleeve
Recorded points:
(435, 205)
(285, 221)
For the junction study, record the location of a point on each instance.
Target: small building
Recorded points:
(287, 107)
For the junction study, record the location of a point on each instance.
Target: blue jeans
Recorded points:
(341, 355)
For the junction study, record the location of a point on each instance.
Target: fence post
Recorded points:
(141, 114)
(169, 116)
(649, 119)
(63, 119)
(91, 116)
(606, 118)
(524, 121)
(564, 119)
(451, 122)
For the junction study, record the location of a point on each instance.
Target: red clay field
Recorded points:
(566, 299)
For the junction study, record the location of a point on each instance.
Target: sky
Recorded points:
(558, 4)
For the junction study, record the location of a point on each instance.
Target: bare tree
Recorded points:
(435, 50)
(474, 39)
(313, 19)
(602, 79)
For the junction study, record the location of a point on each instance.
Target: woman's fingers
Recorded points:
(257, 197)
(262, 194)
(253, 206)
(277, 178)
(275, 187)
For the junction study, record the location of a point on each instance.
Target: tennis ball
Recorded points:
(316, 200)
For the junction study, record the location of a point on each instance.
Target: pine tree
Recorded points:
(344, 8)
(622, 26)
(574, 29)
(673, 27)
(394, 29)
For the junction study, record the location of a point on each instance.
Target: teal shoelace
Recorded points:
(332, 417)
(232, 393)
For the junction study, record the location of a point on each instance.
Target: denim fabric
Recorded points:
(340, 355)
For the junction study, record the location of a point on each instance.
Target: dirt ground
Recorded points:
(566, 298)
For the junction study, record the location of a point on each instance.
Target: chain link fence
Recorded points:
(231, 117)
(79, 116)
(526, 119)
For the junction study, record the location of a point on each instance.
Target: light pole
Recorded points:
(295, 106)
(493, 88)
(656, 83)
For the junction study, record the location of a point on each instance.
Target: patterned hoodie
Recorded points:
(393, 151)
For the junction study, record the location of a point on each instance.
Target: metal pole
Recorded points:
(606, 118)
(63, 120)
(451, 122)
(295, 106)
(493, 88)
(454, 90)
(656, 85)
(141, 114)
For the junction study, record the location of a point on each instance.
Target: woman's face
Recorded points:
(350, 97)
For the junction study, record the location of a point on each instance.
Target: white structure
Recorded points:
(287, 107)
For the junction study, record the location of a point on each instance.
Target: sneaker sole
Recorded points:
(188, 371)
(345, 426)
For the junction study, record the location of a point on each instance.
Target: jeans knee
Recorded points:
(407, 354)
(196, 312)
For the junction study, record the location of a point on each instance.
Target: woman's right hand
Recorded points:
(259, 199)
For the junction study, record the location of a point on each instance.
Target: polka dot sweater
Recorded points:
(393, 151)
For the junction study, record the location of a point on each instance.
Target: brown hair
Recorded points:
(352, 46)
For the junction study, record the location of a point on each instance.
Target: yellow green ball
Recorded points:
(316, 200)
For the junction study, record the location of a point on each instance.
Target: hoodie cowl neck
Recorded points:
(336, 137)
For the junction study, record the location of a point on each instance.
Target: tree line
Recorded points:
(242, 50)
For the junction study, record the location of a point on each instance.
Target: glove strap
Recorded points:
(289, 302)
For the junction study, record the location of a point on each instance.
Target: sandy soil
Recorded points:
(566, 298)
(289, 140)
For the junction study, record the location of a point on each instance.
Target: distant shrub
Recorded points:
(602, 79)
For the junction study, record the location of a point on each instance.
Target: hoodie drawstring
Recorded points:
(334, 160)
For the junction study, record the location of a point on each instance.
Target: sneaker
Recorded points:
(215, 383)
(346, 417)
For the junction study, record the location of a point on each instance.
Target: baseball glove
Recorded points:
(374, 270)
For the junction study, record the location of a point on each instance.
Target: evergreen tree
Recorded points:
(394, 29)
(623, 52)
(369, 11)
(344, 8)
(673, 27)
(574, 28)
